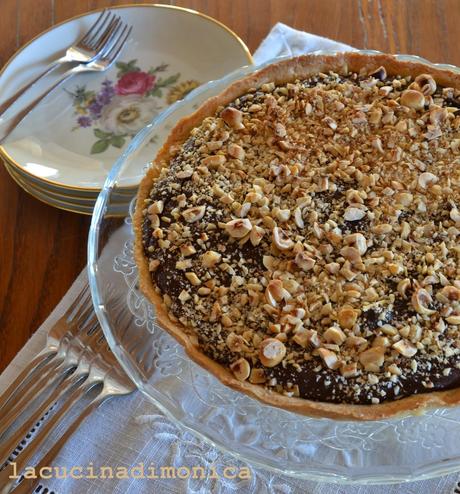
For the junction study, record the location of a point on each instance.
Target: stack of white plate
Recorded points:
(63, 150)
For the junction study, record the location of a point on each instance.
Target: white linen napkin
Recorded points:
(286, 41)
(130, 430)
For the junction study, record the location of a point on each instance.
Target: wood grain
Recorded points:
(43, 249)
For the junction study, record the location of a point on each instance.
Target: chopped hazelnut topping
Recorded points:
(272, 352)
(233, 117)
(194, 214)
(241, 369)
(413, 99)
(372, 359)
(210, 259)
(310, 230)
(281, 240)
(238, 228)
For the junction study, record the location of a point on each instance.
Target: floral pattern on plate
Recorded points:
(119, 109)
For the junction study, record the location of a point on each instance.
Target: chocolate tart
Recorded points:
(297, 234)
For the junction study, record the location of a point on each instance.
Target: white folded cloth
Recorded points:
(130, 431)
(286, 41)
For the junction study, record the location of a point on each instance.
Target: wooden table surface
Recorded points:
(42, 249)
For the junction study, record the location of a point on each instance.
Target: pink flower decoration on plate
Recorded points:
(135, 83)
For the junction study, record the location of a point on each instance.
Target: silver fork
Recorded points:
(107, 58)
(52, 356)
(103, 369)
(84, 50)
(75, 361)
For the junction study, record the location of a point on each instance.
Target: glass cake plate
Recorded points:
(385, 451)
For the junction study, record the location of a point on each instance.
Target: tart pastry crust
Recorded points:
(299, 68)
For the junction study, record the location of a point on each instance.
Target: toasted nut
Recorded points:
(282, 215)
(214, 161)
(389, 330)
(204, 291)
(373, 358)
(426, 178)
(421, 299)
(382, 229)
(437, 115)
(375, 116)
(194, 214)
(448, 294)
(358, 240)
(304, 261)
(270, 262)
(243, 210)
(349, 370)
(154, 220)
(329, 358)
(347, 317)
(330, 122)
(241, 369)
(233, 118)
(238, 228)
(280, 130)
(404, 198)
(184, 296)
(405, 348)
(298, 220)
(187, 172)
(236, 151)
(355, 341)
(271, 352)
(403, 286)
(187, 250)
(381, 341)
(156, 207)
(281, 240)
(377, 144)
(210, 258)
(256, 235)
(306, 338)
(226, 321)
(334, 335)
(257, 376)
(354, 214)
(395, 370)
(394, 268)
(426, 83)
(284, 145)
(275, 292)
(454, 215)
(184, 264)
(333, 267)
(214, 145)
(413, 99)
(371, 295)
(236, 343)
(351, 254)
(153, 264)
(193, 278)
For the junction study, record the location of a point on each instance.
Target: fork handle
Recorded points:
(54, 65)
(7, 479)
(50, 374)
(25, 376)
(28, 485)
(8, 445)
(12, 123)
